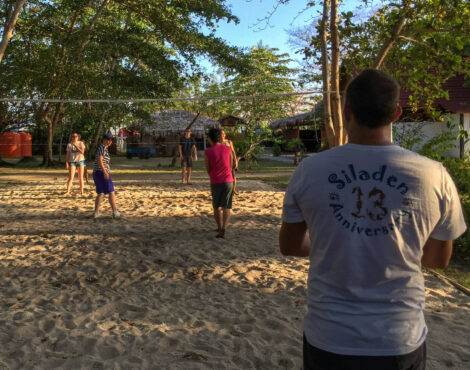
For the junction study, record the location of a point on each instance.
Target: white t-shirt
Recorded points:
(369, 211)
(74, 154)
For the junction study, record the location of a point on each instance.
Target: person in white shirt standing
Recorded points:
(75, 159)
(369, 215)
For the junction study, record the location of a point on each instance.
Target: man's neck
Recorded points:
(365, 136)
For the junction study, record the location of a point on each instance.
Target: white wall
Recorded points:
(431, 129)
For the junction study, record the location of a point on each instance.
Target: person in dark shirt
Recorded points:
(186, 148)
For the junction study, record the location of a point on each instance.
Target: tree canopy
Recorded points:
(420, 42)
(106, 49)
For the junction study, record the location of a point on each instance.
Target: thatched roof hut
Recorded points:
(293, 122)
(303, 119)
(173, 123)
(167, 127)
(231, 121)
(290, 127)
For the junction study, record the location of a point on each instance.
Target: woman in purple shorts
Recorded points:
(102, 178)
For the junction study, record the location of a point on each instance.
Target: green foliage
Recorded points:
(427, 51)
(408, 136)
(98, 50)
(267, 73)
(296, 145)
(243, 144)
(459, 169)
(436, 147)
(276, 150)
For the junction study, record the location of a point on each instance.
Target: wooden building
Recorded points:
(291, 129)
(167, 127)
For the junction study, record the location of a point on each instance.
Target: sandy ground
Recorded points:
(155, 289)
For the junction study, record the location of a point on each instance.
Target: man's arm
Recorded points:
(436, 253)
(67, 154)
(180, 152)
(195, 152)
(294, 239)
(208, 166)
(234, 155)
(103, 168)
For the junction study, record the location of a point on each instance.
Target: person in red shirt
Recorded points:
(219, 162)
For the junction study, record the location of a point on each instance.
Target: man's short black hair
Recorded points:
(373, 98)
(215, 135)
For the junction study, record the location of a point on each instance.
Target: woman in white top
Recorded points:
(75, 158)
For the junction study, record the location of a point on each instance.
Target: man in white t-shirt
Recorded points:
(369, 215)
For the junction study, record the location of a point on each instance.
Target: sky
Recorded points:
(250, 31)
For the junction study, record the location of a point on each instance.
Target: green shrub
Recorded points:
(276, 150)
(296, 145)
(459, 169)
(437, 146)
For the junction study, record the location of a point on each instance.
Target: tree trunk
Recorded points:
(3, 116)
(48, 159)
(193, 121)
(51, 125)
(10, 23)
(61, 140)
(462, 141)
(335, 93)
(327, 121)
(96, 139)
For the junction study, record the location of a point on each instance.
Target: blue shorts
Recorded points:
(77, 164)
(103, 186)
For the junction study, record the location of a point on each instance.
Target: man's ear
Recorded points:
(398, 113)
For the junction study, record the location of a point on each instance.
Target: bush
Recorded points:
(437, 146)
(459, 169)
(276, 150)
(296, 145)
(462, 244)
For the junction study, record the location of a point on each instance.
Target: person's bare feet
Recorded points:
(221, 234)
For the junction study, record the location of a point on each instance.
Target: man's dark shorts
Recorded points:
(222, 195)
(317, 359)
(103, 186)
(187, 161)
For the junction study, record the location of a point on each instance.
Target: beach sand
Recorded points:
(156, 289)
